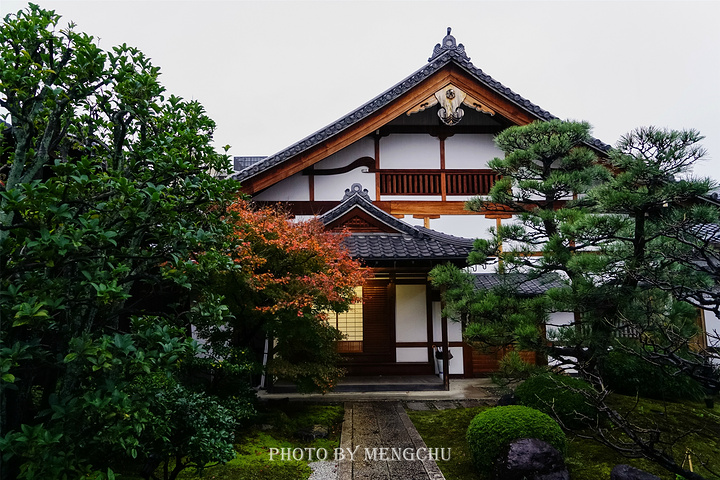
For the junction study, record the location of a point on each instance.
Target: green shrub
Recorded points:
(629, 374)
(512, 368)
(559, 396)
(493, 430)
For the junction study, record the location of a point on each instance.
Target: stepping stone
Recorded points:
(418, 406)
(470, 403)
(445, 405)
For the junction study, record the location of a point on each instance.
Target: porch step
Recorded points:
(410, 383)
(390, 383)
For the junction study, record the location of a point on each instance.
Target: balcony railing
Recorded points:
(436, 182)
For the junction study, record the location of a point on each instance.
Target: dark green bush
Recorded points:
(491, 431)
(628, 374)
(559, 396)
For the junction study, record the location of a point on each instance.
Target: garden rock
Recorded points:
(531, 459)
(507, 399)
(316, 431)
(626, 472)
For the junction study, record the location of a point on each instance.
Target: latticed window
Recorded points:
(350, 324)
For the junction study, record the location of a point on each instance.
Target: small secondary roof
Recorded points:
(400, 241)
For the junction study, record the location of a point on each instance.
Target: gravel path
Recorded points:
(323, 470)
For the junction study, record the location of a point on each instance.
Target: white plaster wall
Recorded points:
(411, 354)
(410, 313)
(365, 147)
(470, 151)
(409, 151)
(507, 245)
(413, 221)
(295, 187)
(468, 226)
(712, 326)
(557, 320)
(332, 187)
(454, 328)
(457, 363)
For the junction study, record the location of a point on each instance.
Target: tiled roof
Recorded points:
(443, 54)
(524, 284)
(709, 232)
(404, 242)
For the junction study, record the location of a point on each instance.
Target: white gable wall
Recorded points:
(295, 187)
(408, 151)
(364, 147)
(470, 151)
(332, 187)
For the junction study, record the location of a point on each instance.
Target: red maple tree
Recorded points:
(287, 275)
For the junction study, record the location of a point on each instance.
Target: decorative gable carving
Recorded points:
(450, 98)
(358, 221)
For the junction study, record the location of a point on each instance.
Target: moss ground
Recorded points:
(275, 427)
(698, 426)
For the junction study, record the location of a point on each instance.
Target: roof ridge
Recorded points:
(442, 55)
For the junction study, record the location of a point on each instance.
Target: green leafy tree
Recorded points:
(109, 219)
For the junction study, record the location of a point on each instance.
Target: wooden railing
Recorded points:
(436, 182)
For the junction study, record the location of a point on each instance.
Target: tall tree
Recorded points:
(546, 174)
(115, 240)
(605, 236)
(109, 221)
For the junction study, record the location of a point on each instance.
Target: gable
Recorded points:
(450, 74)
(359, 221)
(448, 68)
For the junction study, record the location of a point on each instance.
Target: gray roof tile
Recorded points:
(406, 242)
(524, 284)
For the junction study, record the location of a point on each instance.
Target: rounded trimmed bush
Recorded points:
(492, 431)
(559, 396)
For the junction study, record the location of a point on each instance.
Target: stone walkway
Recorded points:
(384, 443)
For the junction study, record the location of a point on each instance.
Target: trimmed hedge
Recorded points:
(493, 430)
(558, 396)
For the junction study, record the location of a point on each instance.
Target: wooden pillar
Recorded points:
(443, 179)
(445, 344)
(377, 165)
(311, 184)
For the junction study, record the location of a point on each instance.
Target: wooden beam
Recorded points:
(396, 208)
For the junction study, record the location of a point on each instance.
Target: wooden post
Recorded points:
(445, 343)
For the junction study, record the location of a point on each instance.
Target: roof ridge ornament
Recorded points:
(449, 44)
(356, 189)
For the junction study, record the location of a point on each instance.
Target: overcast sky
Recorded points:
(271, 72)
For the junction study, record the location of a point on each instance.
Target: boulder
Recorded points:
(316, 431)
(626, 472)
(531, 459)
(507, 399)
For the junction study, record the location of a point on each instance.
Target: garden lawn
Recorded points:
(587, 459)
